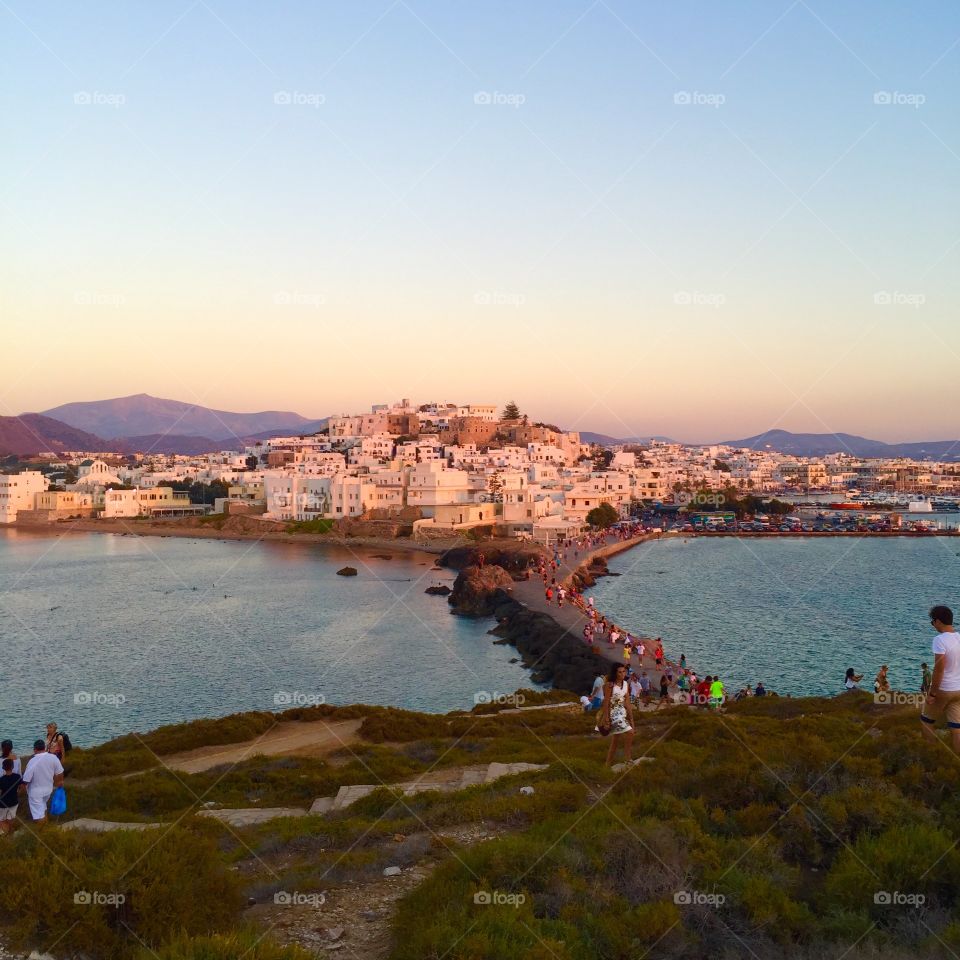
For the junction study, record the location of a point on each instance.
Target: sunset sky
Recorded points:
(693, 219)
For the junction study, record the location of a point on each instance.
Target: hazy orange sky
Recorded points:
(698, 222)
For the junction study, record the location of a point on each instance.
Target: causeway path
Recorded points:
(531, 593)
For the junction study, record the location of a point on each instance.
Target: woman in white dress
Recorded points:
(617, 713)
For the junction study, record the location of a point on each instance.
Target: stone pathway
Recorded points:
(531, 593)
(446, 781)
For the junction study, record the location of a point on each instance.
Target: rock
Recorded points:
(527, 791)
(347, 572)
(382, 556)
(335, 933)
(478, 591)
(391, 871)
(440, 590)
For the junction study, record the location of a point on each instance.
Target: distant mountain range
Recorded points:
(142, 424)
(823, 444)
(35, 433)
(142, 415)
(816, 445)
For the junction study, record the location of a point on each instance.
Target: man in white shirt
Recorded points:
(943, 698)
(43, 775)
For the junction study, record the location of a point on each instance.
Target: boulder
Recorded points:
(478, 590)
(440, 590)
(347, 572)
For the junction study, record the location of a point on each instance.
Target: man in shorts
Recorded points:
(9, 786)
(43, 775)
(943, 698)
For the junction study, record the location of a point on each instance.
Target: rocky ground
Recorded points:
(354, 920)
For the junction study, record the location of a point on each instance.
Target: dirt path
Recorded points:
(302, 739)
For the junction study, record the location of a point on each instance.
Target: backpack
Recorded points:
(65, 739)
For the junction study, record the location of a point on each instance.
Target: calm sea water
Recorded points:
(792, 612)
(106, 634)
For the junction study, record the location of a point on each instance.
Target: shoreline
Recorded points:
(166, 528)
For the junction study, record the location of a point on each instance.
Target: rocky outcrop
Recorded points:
(476, 588)
(513, 557)
(553, 654)
(587, 574)
(347, 572)
(440, 590)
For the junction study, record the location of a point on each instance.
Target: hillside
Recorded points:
(823, 444)
(780, 828)
(35, 433)
(142, 415)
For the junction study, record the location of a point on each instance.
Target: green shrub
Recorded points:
(112, 892)
(246, 944)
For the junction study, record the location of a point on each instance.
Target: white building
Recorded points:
(433, 484)
(18, 492)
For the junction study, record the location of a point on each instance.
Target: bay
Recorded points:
(105, 634)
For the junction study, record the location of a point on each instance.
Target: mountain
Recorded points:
(822, 444)
(36, 433)
(142, 415)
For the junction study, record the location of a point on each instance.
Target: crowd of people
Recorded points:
(36, 780)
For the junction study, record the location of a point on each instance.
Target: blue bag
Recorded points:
(58, 802)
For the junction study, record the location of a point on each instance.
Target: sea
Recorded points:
(793, 612)
(107, 634)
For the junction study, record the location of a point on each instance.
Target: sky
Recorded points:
(690, 219)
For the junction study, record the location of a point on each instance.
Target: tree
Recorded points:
(603, 516)
(511, 411)
(252, 462)
(495, 486)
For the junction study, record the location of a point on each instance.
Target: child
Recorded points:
(9, 785)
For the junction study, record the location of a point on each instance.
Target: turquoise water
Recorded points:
(792, 612)
(106, 634)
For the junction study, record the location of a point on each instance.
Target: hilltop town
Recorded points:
(440, 468)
